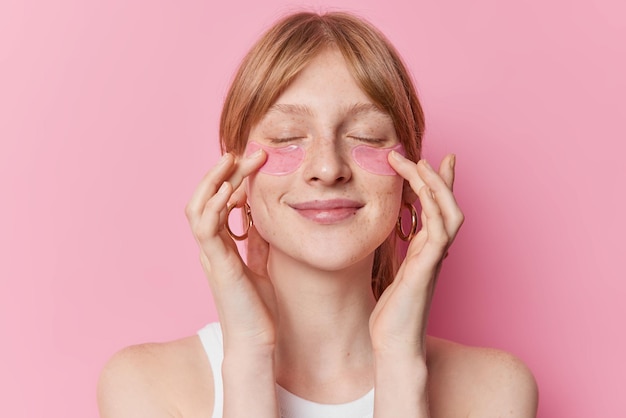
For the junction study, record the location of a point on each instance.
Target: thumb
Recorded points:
(446, 170)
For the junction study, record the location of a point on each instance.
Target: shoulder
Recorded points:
(158, 380)
(483, 382)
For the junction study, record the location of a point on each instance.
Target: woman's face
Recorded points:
(330, 212)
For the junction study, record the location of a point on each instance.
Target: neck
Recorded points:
(323, 332)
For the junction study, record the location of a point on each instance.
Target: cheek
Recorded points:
(257, 189)
(264, 195)
(391, 196)
(286, 160)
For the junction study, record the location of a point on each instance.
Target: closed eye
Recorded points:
(285, 140)
(372, 141)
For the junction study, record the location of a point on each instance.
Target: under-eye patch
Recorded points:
(280, 161)
(374, 159)
(285, 160)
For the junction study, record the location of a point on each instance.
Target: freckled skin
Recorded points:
(285, 160)
(317, 112)
(175, 378)
(332, 246)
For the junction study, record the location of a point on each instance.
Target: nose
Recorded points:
(326, 163)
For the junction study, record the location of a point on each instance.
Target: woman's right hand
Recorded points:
(244, 296)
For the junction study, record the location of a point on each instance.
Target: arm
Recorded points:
(159, 380)
(244, 298)
(476, 383)
(249, 384)
(401, 387)
(507, 387)
(130, 386)
(399, 321)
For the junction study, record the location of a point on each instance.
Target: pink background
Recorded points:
(108, 119)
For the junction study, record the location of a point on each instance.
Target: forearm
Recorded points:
(401, 388)
(249, 385)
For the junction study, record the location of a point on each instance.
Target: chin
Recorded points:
(333, 264)
(328, 258)
(326, 248)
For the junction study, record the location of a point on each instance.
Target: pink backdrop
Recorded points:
(108, 118)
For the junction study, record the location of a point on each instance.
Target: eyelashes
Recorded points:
(286, 159)
(285, 141)
(364, 139)
(372, 141)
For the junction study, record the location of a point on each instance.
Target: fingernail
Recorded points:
(452, 161)
(396, 155)
(223, 188)
(426, 164)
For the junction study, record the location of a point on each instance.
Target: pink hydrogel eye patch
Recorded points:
(374, 159)
(285, 160)
(280, 161)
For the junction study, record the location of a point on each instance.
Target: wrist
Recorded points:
(410, 369)
(247, 358)
(249, 383)
(408, 351)
(401, 384)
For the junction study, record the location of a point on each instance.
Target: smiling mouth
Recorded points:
(327, 211)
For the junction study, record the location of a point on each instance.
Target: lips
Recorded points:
(327, 211)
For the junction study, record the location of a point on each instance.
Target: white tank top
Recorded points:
(291, 406)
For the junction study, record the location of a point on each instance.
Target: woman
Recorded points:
(321, 131)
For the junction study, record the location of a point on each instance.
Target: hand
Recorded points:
(244, 296)
(398, 322)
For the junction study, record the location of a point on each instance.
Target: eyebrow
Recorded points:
(360, 108)
(290, 109)
(303, 110)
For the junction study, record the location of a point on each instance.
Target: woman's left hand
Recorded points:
(399, 320)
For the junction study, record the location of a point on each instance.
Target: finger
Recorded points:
(244, 167)
(227, 169)
(238, 197)
(209, 228)
(421, 175)
(452, 215)
(406, 169)
(446, 170)
(433, 233)
(208, 186)
(214, 216)
(218, 248)
(434, 223)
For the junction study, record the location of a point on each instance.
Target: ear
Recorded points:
(408, 195)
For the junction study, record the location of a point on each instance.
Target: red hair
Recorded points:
(285, 49)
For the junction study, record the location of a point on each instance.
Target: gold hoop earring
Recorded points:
(247, 220)
(413, 231)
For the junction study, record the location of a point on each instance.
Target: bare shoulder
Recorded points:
(170, 379)
(479, 382)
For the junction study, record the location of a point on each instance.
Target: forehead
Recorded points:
(325, 81)
(324, 91)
